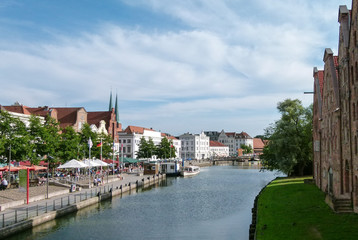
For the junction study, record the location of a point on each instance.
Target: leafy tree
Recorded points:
(14, 136)
(107, 145)
(165, 149)
(290, 139)
(142, 148)
(246, 148)
(69, 144)
(152, 149)
(86, 134)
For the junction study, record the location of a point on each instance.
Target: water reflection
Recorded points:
(216, 204)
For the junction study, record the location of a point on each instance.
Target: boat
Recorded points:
(190, 171)
(171, 169)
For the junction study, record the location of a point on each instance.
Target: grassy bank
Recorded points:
(290, 209)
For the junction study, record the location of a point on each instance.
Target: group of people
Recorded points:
(97, 181)
(3, 184)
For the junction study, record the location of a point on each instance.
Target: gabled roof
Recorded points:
(258, 143)
(96, 117)
(216, 144)
(18, 109)
(67, 116)
(135, 129)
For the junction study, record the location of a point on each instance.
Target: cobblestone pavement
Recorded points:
(16, 194)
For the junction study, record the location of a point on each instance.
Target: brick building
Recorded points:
(335, 117)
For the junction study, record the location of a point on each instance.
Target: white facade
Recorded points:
(100, 129)
(218, 151)
(194, 146)
(25, 118)
(235, 140)
(130, 141)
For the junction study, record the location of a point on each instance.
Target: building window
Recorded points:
(124, 141)
(128, 141)
(120, 141)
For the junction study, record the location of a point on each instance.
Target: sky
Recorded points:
(176, 66)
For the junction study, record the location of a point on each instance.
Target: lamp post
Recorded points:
(9, 163)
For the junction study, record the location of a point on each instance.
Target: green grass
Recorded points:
(290, 209)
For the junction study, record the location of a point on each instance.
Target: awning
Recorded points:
(73, 164)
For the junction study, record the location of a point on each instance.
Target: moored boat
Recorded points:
(170, 168)
(190, 171)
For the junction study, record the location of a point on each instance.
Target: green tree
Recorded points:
(165, 149)
(14, 137)
(107, 146)
(246, 148)
(69, 144)
(290, 139)
(142, 148)
(86, 134)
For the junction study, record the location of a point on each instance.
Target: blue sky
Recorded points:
(177, 66)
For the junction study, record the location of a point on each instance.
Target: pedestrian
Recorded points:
(4, 184)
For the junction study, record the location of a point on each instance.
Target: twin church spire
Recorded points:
(115, 106)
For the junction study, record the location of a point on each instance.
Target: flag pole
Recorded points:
(113, 159)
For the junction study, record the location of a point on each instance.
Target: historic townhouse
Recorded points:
(335, 118)
(194, 146)
(217, 150)
(129, 140)
(234, 141)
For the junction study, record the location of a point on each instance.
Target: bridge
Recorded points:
(235, 160)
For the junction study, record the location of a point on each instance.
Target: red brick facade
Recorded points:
(335, 116)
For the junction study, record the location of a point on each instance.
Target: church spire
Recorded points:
(116, 109)
(110, 102)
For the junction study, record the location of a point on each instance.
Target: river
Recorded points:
(216, 204)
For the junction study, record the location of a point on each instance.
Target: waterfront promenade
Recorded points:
(17, 214)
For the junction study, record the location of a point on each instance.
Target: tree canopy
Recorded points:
(40, 140)
(163, 150)
(289, 148)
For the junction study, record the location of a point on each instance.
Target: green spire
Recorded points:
(110, 102)
(116, 109)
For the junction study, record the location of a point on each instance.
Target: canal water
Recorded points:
(216, 204)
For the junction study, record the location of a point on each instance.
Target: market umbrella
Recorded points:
(103, 164)
(91, 163)
(73, 164)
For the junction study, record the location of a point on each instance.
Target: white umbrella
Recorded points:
(73, 164)
(91, 163)
(103, 164)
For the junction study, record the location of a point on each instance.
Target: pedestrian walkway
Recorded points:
(14, 197)
(64, 203)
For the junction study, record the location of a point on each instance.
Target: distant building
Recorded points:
(258, 146)
(194, 146)
(129, 140)
(218, 150)
(213, 135)
(234, 141)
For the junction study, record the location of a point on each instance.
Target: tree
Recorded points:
(86, 134)
(14, 137)
(69, 144)
(246, 148)
(165, 149)
(290, 139)
(142, 148)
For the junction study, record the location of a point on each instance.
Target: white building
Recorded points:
(217, 150)
(234, 141)
(130, 139)
(194, 146)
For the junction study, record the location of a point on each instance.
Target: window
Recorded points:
(128, 141)
(124, 141)
(128, 149)
(120, 141)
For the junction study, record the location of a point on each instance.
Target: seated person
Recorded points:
(4, 184)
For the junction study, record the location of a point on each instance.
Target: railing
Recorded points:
(25, 213)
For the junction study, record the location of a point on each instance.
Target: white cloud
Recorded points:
(235, 56)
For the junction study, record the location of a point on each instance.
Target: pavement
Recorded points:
(38, 193)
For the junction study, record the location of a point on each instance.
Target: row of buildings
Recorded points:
(205, 145)
(335, 117)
